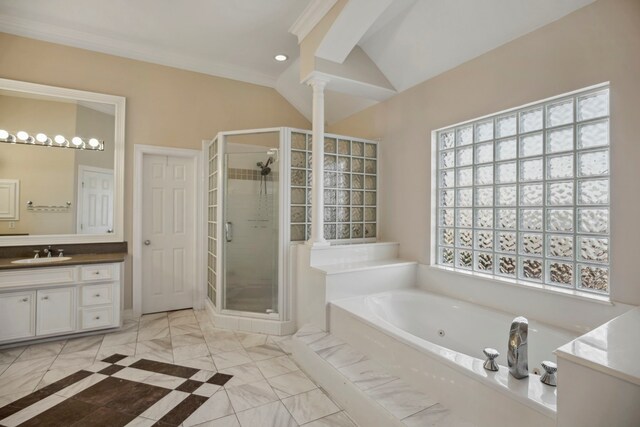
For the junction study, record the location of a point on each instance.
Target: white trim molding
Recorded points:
(138, 168)
(313, 13)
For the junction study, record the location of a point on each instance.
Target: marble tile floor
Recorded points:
(177, 366)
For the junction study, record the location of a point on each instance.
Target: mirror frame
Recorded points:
(118, 164)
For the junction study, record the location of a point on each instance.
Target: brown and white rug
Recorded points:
(122, 392)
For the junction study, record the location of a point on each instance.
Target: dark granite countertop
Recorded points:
(99, 258)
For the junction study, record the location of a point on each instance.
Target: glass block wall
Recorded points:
(525, 194)
(212, 225)
(350, 188)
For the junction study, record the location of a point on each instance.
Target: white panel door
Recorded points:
(17, 315)
(95, 215)
(9, 198)
(168, 224)
(56, 311)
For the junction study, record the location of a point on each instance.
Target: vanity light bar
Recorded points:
(41, 139)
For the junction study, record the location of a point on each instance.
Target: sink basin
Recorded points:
(41, 260)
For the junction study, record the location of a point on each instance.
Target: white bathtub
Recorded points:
(436, 343)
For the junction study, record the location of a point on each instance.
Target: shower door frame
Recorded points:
(284, 291)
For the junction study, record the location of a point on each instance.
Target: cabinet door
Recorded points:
(56, 311)
(17, 315)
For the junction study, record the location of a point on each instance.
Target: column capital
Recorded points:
(318, 82)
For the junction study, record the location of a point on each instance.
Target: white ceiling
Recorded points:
(433, 36)
(411, 41)
(236, 39)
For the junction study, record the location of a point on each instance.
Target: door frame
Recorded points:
(81, 170)
(285, 293)
(139, 151)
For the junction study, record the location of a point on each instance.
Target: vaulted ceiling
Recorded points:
(409, 41)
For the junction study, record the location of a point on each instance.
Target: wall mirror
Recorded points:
(61, 165)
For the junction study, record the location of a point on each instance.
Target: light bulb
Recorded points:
(4, 134)
(59, 139)
(93, 142)
(22, 135)
(280, 57)
(41, 137)
(77, 141)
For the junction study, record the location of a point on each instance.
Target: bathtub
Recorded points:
(436, 343)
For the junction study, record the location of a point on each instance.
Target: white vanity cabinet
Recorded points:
(50, 301)
(17, 315)
(55, 311)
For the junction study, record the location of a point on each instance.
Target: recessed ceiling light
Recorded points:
(280, 57)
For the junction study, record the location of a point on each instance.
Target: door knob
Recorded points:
(147, 242)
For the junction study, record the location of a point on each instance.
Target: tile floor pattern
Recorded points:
(165, 369)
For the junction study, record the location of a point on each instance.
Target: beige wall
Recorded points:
(165, 106)
(600, 42)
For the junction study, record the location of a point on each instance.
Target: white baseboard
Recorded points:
(127, 314)
(248, 324)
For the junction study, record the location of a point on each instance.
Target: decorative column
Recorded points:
(317, 182)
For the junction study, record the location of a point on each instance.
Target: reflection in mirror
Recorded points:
(47, 188)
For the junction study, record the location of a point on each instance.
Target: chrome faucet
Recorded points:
(47, 251)
(517, 348)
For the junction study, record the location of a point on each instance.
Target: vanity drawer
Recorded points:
(37, 276)
(96, 317)
(96, 294)
(96, 272)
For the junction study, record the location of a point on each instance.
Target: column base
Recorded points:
(320, 244)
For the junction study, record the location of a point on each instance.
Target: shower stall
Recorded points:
(258, 204)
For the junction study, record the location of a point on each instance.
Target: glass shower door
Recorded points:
(250, 231)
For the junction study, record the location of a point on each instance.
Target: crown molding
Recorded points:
(95, 42)
(310, 17)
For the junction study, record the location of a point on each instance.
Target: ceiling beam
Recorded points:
(350, 26)
(310, 17)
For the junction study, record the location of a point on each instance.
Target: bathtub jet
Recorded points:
(517, 348)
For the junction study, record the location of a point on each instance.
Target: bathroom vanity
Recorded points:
(45, 301)
(62, 246)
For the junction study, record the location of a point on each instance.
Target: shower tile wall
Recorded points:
(212, 222)
(350, 188)
(249, 174)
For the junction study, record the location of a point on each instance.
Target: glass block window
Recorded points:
(212, 225)
(525, 194)
(350, 188)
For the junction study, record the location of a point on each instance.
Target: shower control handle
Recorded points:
(228, 231)
(147, 242)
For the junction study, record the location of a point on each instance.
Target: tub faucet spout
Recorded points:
(517, 348)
